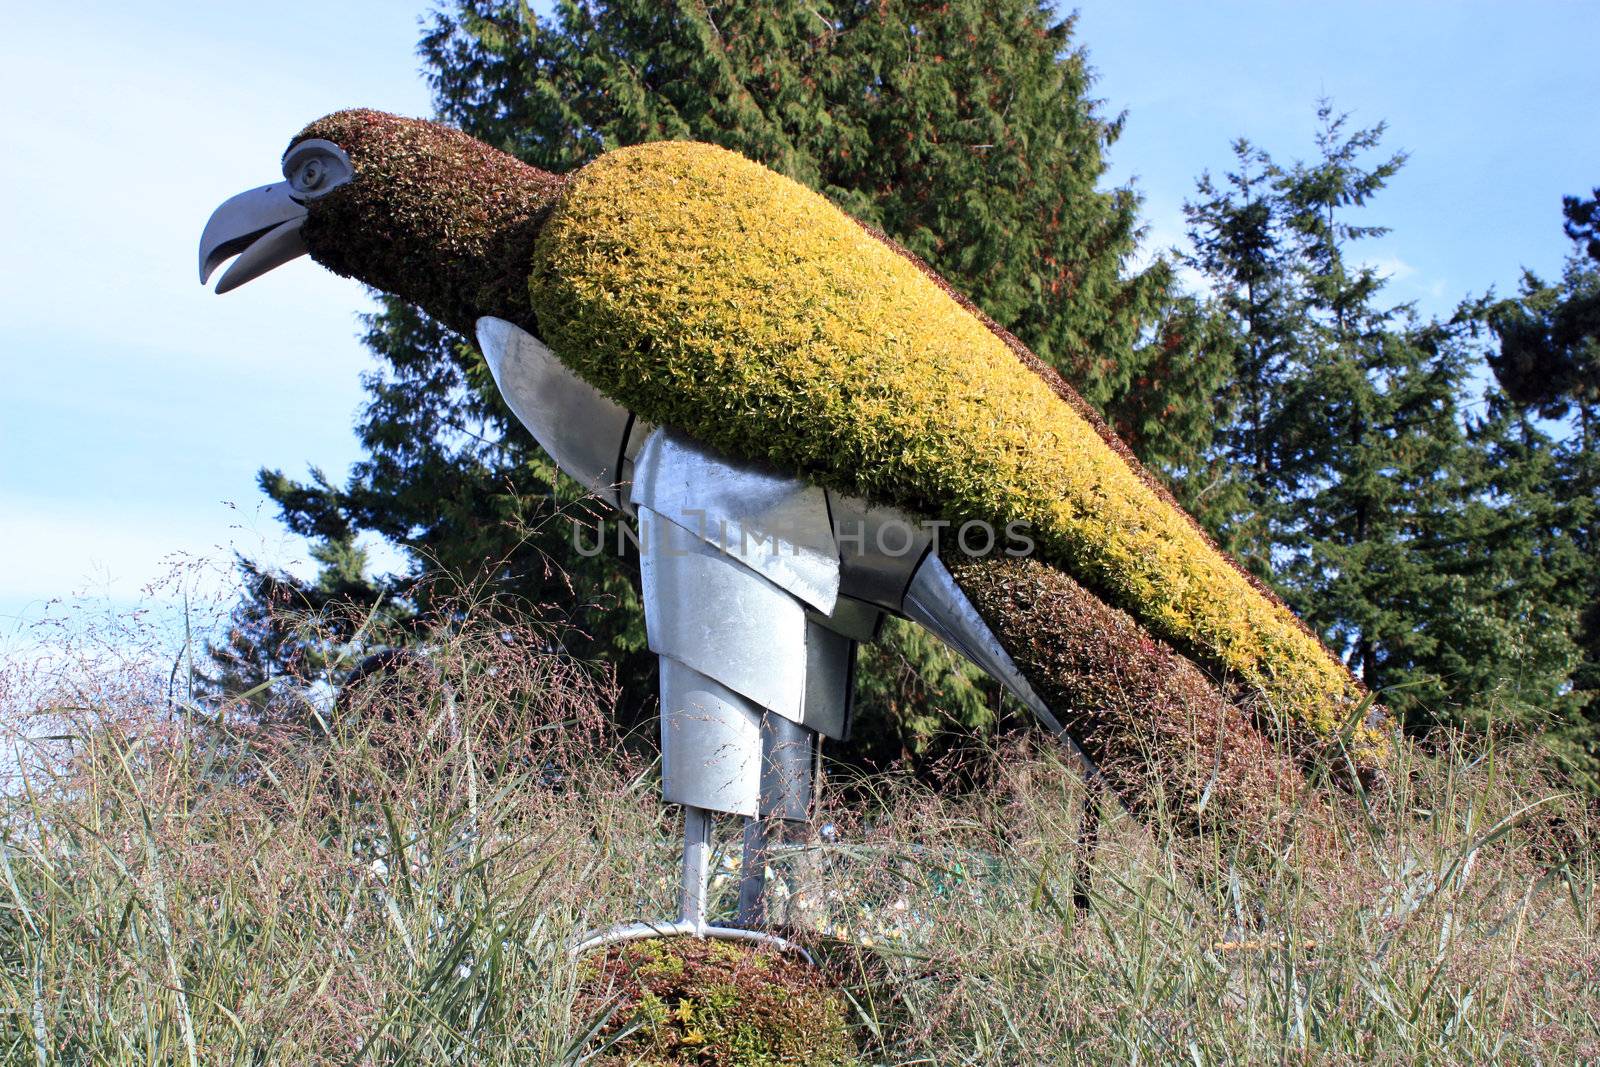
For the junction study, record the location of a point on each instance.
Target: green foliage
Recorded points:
(964, 129)
(1237, 242)
(1549, 365)
(1416, 526)
(1549, 358)
(1583, 222)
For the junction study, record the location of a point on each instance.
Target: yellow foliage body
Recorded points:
(707, 292)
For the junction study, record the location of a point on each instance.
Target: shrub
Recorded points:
(708, 293)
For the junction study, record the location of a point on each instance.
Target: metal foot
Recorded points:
(691, 921)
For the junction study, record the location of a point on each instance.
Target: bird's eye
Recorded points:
(316, 167)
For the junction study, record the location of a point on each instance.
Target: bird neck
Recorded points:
(434, 217)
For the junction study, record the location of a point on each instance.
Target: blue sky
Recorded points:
(137, 406)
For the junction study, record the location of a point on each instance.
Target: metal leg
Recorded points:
(1088, 839)
(753, 876)
(696, 868)
(691, 920)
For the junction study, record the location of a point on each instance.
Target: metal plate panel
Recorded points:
(830, 659)
(788, 763)
(937, 602)
(856, 619)
(714, 614)
(582, 430)
(879, 550)
(710, 743)
(776, 524)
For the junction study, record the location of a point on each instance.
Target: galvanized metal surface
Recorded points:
(582, 430)
(879, 550)
(775, 524)
(788, 769)
(830, 678)
(856, 619)
(937, 602)
(696, 865)
(714, 614)
(710, 743)
(643, 931)
(753, 874)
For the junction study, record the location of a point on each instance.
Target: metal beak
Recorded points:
(261, 227)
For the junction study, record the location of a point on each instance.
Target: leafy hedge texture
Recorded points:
(433, 216)
(1134, 704)
(706, 292)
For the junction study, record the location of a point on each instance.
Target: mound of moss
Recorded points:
(684, 1000)
(706, 292)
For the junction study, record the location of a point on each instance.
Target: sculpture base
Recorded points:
(640, 931)
(692, 918)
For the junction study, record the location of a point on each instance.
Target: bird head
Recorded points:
(413, 208)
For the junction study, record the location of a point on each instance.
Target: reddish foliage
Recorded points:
(1148, 717)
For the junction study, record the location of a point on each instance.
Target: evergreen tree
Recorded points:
(1237, 242)
(961, 128)
(286, 635)
(1583, 221)
(1549, 364)
(1414, 534)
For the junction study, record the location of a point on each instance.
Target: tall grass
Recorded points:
(397, 883)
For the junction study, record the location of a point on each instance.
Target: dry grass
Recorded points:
(183, 886)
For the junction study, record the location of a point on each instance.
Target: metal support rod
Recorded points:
(753, 877)
(696, 867)
(692, 920)
(1088, 839)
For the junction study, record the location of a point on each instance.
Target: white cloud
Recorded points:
(1391, 267)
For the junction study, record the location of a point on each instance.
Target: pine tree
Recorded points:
(1237, 242)
(963, 129)
(1548, 364)
(1414, 533)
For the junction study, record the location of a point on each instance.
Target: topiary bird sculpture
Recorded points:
(814, 431)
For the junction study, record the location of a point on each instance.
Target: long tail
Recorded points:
(1160, 733)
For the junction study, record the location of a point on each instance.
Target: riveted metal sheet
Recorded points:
(710, 743)
(711, 612)
(830, 672)
(583, 431)
(788, 766)
(776, 524)
(879, 550)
